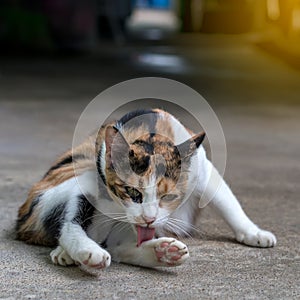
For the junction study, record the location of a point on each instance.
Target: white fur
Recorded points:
(68, 192)
(150, 202)
(225, 203)
(58, 195)
(102, 157)
(180, 132)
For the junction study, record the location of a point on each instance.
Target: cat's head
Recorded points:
(149, 176)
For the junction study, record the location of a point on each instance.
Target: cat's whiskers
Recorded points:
(188, 224)
(177, 229)
(120, 226)
(117, 216)
(112, 220)
(161, 220)
(106, 221)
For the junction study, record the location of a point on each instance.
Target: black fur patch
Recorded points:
(139, 121)
(104, 244)
(133, 114)
(54, 221)
(25, 217)
(140, 165)
(148, 148)
(85, 212)
(99, 166)
(65, 161)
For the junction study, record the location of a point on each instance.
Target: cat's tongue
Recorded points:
(144, 234)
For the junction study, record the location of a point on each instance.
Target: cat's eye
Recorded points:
(135, 195)
(169, 197)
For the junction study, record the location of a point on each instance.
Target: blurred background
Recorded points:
(243, 53)
(57, 55)
(114, 40)
(81, 24)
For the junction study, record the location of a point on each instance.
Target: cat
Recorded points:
(125, 192)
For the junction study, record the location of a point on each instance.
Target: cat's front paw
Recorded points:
(93, 257)
(257, 238)
(170, 252)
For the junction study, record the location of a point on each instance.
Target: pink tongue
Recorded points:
(144, 234)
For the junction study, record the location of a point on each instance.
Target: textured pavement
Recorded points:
(256, 97)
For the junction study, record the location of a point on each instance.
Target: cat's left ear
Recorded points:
(189, 147)
(115, 141)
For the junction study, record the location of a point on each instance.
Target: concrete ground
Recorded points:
(256, 97)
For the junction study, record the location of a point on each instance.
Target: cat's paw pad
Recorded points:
(257, 238)
(60, 257)
(96, 258)
(171, 252)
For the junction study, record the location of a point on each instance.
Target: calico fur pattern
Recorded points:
(161, 161)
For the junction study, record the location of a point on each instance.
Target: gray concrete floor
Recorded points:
(256, 97)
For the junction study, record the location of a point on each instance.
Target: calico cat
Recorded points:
(123, 191)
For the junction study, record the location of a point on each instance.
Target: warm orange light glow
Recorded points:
(296, 17)
(273, 9)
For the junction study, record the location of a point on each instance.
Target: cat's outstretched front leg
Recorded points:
(226, 204)
(76, 247)
(153, 253)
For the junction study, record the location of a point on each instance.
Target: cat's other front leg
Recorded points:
(226, 204)
(163, 251)
(75, 245)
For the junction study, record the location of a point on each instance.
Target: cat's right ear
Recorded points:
(189, 147)
(116, 143)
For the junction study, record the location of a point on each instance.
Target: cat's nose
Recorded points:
(149, 220)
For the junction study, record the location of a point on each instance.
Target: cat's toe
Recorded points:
(60, 257)
(258, 238)
(171, 252)
(94, 258)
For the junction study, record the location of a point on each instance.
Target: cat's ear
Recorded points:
(114, 141)
(189, 147)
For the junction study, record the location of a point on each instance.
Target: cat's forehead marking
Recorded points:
(138, 124)
(143, 124)
(150, 189)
